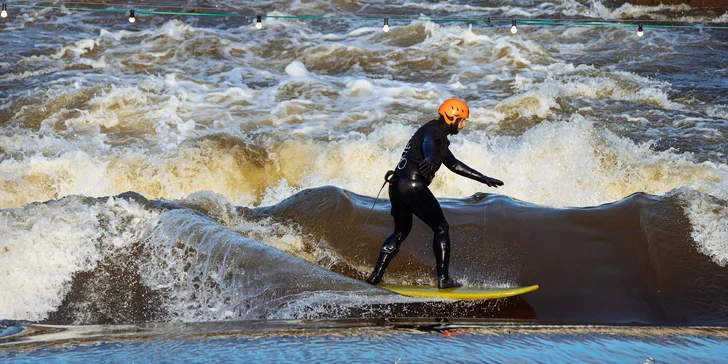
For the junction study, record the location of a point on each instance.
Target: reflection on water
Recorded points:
(367, 341)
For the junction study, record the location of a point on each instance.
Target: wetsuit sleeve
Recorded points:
(460, 168)
(429, 143)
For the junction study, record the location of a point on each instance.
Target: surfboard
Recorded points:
(460, 293)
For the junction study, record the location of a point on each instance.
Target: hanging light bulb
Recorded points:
(132, 18)
(514, 28)
(259, 22)
(4, 13)
(385, 28)
(640, 32)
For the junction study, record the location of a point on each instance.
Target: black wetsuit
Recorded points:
(409, 194)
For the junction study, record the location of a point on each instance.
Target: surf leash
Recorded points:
(387, 179)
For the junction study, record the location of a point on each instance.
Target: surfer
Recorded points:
(409, 192)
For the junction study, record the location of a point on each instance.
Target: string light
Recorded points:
(385, 28)
(490, 21)
(259, 22)
(640, 32)
(132, 18)
(4, 13)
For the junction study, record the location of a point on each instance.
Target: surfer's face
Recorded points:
(461, 123)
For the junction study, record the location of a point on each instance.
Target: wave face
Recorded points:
(125, 259)
(138, 261)
(174, 169)
(628, 261)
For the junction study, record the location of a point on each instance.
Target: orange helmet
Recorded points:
(453, 109)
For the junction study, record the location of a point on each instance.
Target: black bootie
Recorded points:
(444, 280)
(441, 247)
(384, 259)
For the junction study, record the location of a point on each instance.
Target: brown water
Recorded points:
(252, 158)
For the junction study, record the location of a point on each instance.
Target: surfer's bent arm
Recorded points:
(429, 145)
(462, 169)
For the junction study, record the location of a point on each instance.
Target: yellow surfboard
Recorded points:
(460, 293)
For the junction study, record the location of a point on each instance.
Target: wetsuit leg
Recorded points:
(425, 206)
(441, 247)
(402, 226)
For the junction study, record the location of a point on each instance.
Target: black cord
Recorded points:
(387, 178)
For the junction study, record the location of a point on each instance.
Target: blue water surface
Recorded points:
(397, 346)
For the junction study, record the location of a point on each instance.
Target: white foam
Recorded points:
(297, 70)
(599, 10)
(540, 99)
(572, 164)
(78, 48)
(355, 87)
(718, 112)
(45, 178)
(43, 245)
(281, 236)
(208, 272)
(708, 216)
(721, 19)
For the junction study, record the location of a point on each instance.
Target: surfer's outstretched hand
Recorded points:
(492, 182)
